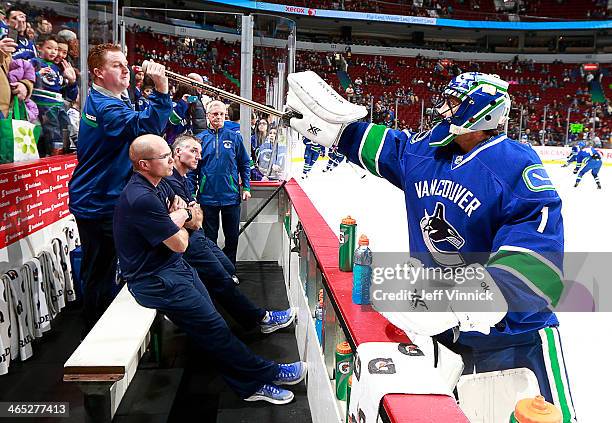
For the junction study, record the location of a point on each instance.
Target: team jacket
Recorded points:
(107, 128)
(224, 158)
(495, 206)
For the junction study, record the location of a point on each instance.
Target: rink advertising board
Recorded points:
(559, 154)
(33, 195)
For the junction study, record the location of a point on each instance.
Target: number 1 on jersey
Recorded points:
(544, 219)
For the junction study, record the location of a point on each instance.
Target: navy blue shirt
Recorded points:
(181, 185)
(140, 225)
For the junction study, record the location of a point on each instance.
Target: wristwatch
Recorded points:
(189, 215)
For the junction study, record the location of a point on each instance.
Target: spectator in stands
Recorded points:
(25, 47)
(151, 237)
(3, 24)
(198, 113)
(62, 52)
(108, 126)
(260, 135)
(22, 88)
(233, 117)
(43, 26)
(224, 165)
(22, 70)
(147, 89)
(180, 122)
(53, 86)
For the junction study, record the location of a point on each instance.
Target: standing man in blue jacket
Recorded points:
(223, 169)
(108, 126)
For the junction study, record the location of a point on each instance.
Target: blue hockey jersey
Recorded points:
(25, 49)
(495, 206)
(50, 88)
(177, 122)
(108, 127)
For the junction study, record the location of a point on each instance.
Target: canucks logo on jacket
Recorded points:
(495, 205)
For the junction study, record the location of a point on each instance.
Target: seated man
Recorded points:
(150, 243)
(212, 265)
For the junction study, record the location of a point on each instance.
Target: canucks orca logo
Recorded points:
(227, 144)
(536, 179)
(442, 239)
(381, 366)
(51, 78)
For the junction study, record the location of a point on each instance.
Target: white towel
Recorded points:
(21, 300)
(381, 368)
(42, 317)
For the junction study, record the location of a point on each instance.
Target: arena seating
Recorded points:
(468, 9)
(422, 76)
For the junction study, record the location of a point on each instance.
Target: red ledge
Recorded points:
(363, 323)
(266, 183)
(47, 161)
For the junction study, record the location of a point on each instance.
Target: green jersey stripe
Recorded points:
(554, 364)
(371, 146)
(540, 276)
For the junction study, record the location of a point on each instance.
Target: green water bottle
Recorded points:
(343, 369)
(348, 228)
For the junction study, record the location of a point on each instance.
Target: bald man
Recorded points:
(198, 112)
(150, 233)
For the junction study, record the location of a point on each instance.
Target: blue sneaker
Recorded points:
(291, 374)
(273, 394)
(275, 320)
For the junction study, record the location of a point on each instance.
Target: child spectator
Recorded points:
(146, 90)
(52, 86)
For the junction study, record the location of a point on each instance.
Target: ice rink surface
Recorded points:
(380, 212)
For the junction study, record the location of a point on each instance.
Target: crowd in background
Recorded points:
(481, 9)
(39, 63)
(46, 57)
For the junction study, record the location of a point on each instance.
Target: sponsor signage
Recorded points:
(33, 196)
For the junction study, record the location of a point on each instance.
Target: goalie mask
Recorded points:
(470, 102)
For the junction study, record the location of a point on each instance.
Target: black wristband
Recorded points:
(189, 216)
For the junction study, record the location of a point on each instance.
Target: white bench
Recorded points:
(106, 360)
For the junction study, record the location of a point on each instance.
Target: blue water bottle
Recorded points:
(319, 318)
(319, 322)
(362, 272)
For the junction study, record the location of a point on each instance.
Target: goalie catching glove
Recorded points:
(325, 113)
(431, 317)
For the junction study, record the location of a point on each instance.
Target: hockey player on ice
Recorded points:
(572, 155)
(588, 160)
(311, 155)
(474, 199)
(335, 158)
